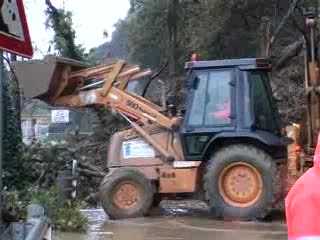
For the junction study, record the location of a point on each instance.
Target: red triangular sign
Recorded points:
(14, 32)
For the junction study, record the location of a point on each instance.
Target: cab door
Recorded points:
(210, 109)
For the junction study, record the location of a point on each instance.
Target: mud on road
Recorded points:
(175, 223)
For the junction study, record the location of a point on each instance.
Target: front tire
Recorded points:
(240, 183)
(126, 193)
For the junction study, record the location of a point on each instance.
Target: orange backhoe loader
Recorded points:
(227, 146)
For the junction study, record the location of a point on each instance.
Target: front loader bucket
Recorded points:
(41, 79)
(65, 82)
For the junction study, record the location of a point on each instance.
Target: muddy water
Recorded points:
(160, 227)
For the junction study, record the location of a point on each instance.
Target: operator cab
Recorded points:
(230, 99)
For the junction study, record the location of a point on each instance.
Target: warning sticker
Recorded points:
(137, 149)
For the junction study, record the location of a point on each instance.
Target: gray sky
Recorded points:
(90, 19)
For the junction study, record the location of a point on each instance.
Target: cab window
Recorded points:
(211, 102)
(262, 104)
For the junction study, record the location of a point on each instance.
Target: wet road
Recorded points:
(174, 228)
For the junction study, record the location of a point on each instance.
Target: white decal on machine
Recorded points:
(88, 98)
(137, 149)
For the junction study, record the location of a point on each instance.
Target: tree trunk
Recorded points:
(172, 20)
(52, 8)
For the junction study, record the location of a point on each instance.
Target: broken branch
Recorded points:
(288, 53)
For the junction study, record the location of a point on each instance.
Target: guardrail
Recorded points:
(37, 227)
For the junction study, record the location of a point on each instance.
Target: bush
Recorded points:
(68, 218)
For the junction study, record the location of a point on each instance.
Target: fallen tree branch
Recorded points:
(90, 173)
(89, 166)
(51, 7)
(43, 173)
(93, 197)
(287, 54)
(284, 20)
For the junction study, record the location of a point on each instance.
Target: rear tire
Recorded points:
(240, 183)
(126, 193)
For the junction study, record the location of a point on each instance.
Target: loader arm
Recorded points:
(107, 90)
(74, 86)
(121, 101)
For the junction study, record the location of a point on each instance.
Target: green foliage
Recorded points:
(162, 30)
(44, 197)
(64, 34)
(147, 34)
(36, 166)
(116, 49)
(13, 202)
(311, 3)
(159, 31)
(12, 136)
(215, 29)
(11, 199)
(68, 218)
(36, 184)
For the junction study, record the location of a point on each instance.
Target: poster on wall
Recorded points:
(60, 116)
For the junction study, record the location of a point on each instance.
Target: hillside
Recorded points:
(117, 48)
(157, 31)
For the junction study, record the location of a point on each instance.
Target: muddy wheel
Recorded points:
(239, 183)
(126, 193)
